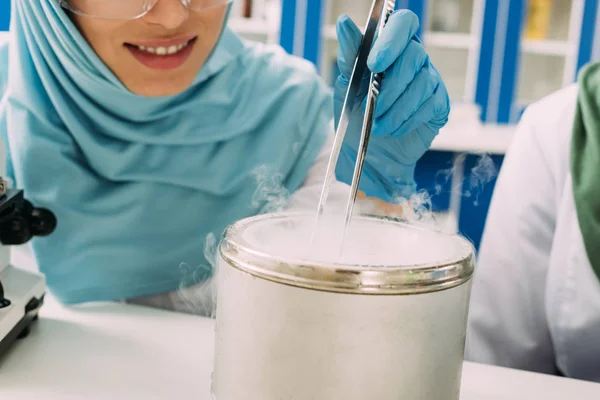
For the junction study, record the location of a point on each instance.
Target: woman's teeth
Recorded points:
(163, 51)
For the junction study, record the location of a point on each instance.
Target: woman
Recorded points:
(147, 125)
(536, 294)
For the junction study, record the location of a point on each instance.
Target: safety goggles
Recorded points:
(129, 9)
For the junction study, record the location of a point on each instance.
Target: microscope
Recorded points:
(21, 292)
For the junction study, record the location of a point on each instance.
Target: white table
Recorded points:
(118, 351)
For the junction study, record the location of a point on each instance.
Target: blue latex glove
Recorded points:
(412, 107)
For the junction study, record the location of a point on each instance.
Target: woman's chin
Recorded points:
(162, 88)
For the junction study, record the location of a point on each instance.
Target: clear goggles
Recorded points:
(129, 9)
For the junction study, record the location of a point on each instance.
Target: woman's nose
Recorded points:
(168, 13)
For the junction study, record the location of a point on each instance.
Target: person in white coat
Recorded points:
(536, 293)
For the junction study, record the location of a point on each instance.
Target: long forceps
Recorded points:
(380, 12)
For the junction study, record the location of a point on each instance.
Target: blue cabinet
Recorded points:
(483, 48)
(4, 15)
(495, 55)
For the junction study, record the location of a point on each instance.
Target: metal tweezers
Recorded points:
(380, 12)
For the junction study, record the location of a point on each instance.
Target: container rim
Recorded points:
(344, 278)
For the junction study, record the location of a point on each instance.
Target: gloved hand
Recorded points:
(413, 105)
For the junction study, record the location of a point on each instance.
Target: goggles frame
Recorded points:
(147, 6)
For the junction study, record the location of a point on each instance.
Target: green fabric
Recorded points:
(585, 162)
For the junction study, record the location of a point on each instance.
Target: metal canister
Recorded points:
(289, 328)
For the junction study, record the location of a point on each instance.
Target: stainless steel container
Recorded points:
(289, 328)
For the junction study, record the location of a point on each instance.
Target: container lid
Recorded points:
(380, 256)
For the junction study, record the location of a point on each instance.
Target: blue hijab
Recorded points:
(138, 183)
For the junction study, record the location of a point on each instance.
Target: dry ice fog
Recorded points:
(365, 243)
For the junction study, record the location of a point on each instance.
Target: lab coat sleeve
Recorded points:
(507, 323)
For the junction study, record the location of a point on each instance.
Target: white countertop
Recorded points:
(475, 139)
(465, 133)
(117, 351)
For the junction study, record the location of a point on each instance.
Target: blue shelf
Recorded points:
(434, 175)
(588, 30)
(476, 199)
(4, 15)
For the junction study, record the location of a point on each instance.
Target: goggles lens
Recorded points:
(129, 9)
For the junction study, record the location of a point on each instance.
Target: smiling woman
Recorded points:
(142, 124)
(156, 48)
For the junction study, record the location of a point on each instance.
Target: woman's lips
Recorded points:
(163, 54)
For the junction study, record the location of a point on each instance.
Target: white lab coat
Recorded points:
(535, 303)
